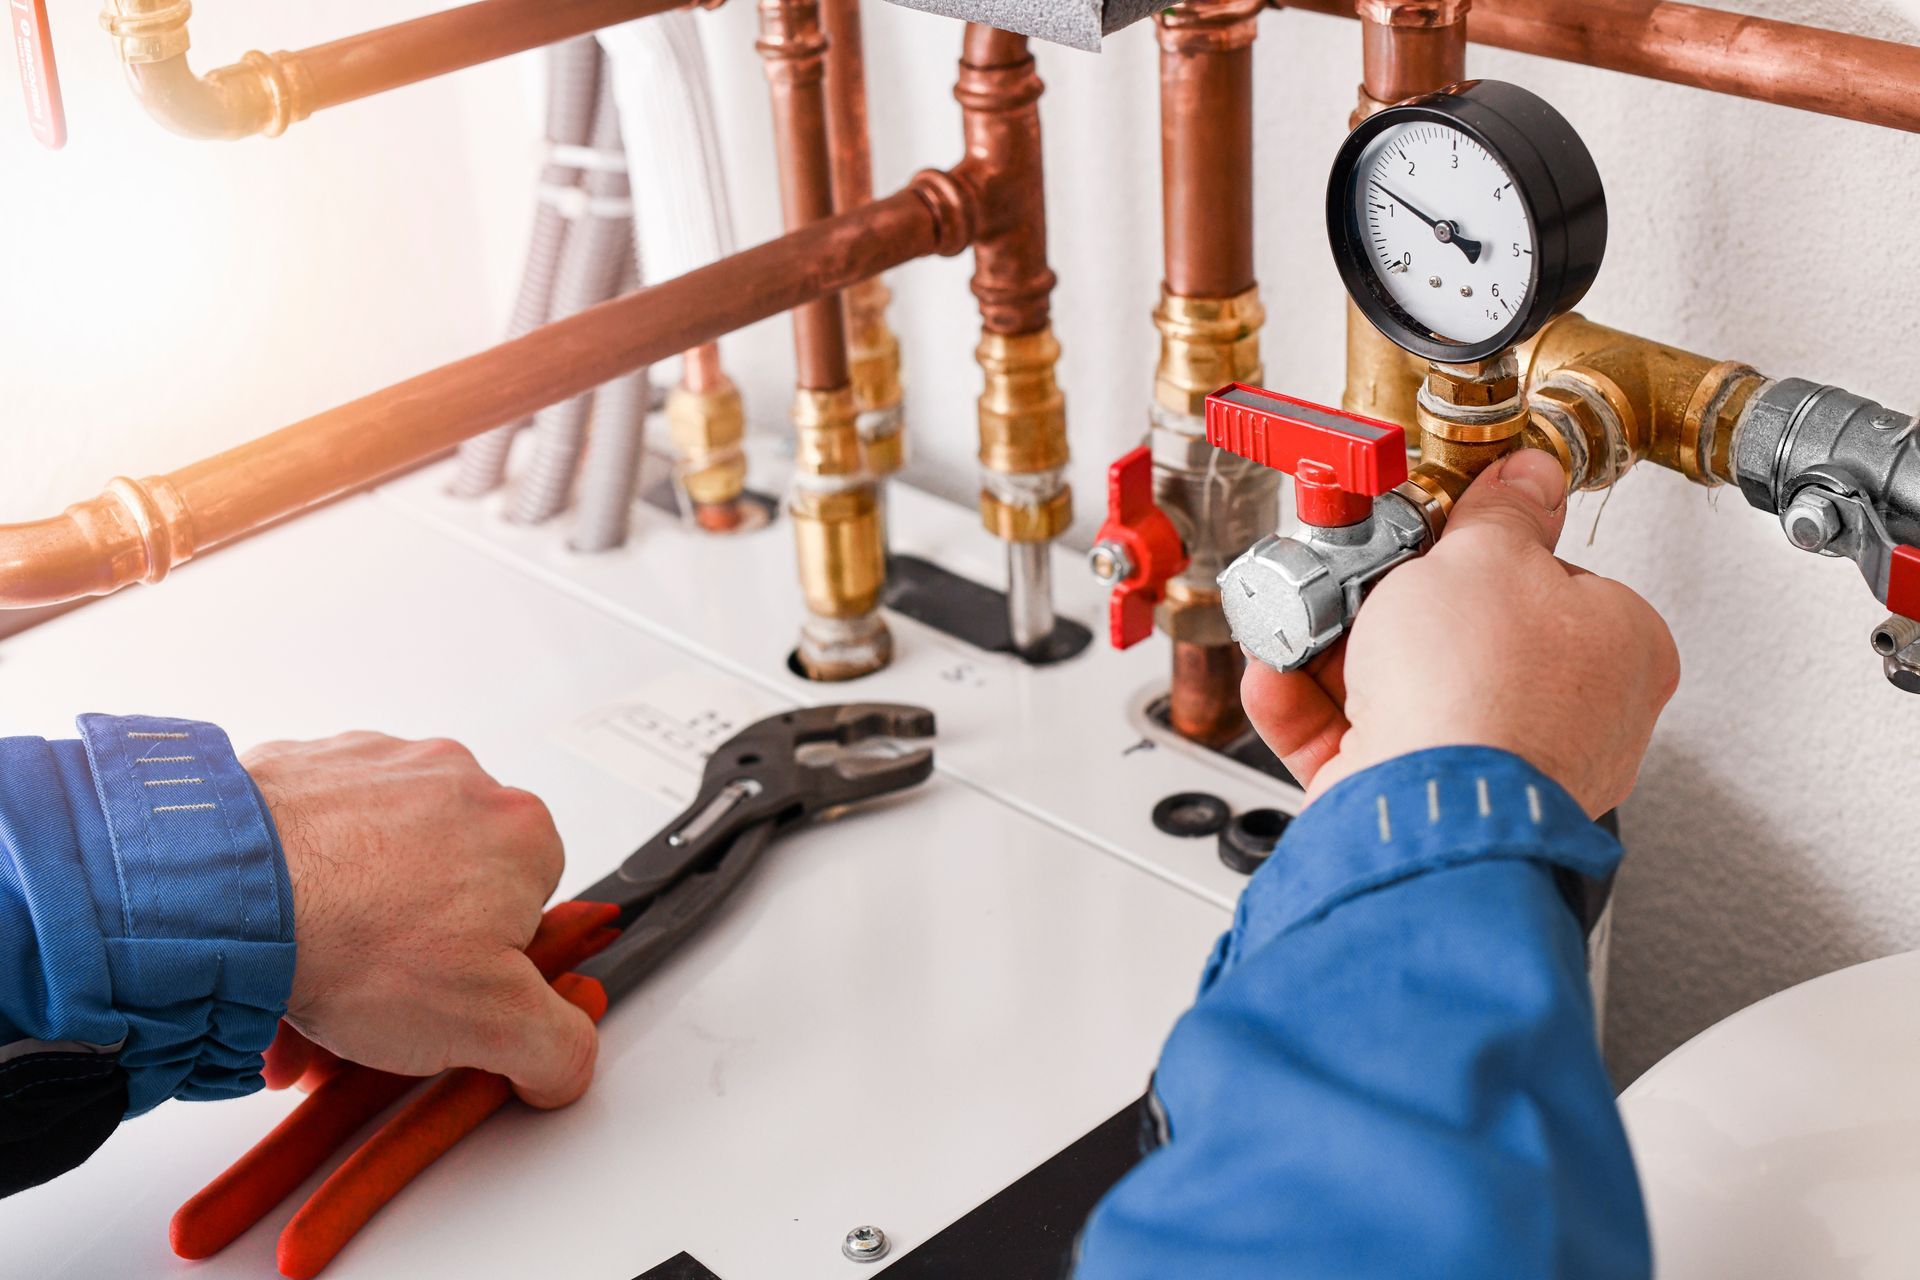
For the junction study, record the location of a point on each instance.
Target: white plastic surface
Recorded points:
(1785, 1141)
(1069, 744)
(900, 1014)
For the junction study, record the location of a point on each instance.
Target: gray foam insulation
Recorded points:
(1077, 23)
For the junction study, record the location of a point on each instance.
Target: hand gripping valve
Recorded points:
(1288, 599)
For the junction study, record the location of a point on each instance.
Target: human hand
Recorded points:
(1487, 640)
(417, 880)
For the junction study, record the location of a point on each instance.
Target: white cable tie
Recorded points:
(574, 156)
(570, 202)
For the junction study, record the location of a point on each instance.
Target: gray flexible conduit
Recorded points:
(574, 74)
(615, 446)
(597, 250)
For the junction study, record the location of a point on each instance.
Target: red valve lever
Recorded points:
(1149, 547)
(1340, 462)
(39, 77)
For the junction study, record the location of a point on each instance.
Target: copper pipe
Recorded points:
(850, 141)
(1204, 704)
(265, 93)
(999, 93)
(1206, 145)
(1408, 47)
(138, 530)
(700, 368)
(793, 48)
(1024, 498)
(1790, 65)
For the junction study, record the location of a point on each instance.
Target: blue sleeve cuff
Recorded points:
(194, 905)
(1444, 807)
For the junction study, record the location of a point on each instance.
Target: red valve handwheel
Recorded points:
(1340, 462)
(1151, 544)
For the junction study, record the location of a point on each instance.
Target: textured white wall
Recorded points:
(162, 298)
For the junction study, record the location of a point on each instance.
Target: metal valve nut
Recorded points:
(1288, 599)
(1282, 602)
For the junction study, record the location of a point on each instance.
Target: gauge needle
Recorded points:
(1443, 231)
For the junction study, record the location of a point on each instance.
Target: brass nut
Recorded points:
(1025, 522)
(1205, 343)
(1023, 415)
(836, 536)
(827, 432)
(1191, 613)
(1464, 386)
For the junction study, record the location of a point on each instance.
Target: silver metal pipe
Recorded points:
(1030, 594)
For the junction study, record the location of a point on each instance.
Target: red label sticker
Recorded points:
(39, 77)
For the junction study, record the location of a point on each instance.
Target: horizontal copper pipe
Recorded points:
(1813, 69)
(138, 530)
(265, 93)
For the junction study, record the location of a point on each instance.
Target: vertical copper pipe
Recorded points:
(873, 351)
(794, 46)
(1206, 146)
(1024, 497)
(1204, 703)
(834, 503)
(1209, 320)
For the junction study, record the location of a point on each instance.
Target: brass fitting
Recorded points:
(1470, 416)
(1383, 381)
(707, 426)
(1023, 438)
(873, 358)
(835, 512)
(1630, 398)
(1205, 343)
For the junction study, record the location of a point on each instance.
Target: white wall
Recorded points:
(163, 298)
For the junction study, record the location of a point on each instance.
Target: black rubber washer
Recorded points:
(1191, 814)
(1247, 841)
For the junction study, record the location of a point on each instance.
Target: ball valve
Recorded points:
(1288, 599)
(1137, 551)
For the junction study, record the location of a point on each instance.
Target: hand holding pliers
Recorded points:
(772, 776)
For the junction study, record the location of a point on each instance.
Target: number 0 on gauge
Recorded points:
(1464, 220)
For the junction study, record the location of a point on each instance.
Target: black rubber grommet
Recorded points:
(1191, 814)
(1246, 842)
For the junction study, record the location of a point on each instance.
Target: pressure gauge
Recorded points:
(1464, 220)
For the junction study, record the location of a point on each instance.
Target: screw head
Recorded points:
(866, 1244)
(1110, 562)
(1812, 521)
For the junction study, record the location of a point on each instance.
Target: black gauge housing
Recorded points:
(1553, 174)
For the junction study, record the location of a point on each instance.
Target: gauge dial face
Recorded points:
(1446, 234)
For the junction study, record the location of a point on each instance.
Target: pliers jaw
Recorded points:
(773, 775)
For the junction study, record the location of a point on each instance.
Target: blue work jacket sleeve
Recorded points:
(1391, 1069)
(146, 924)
